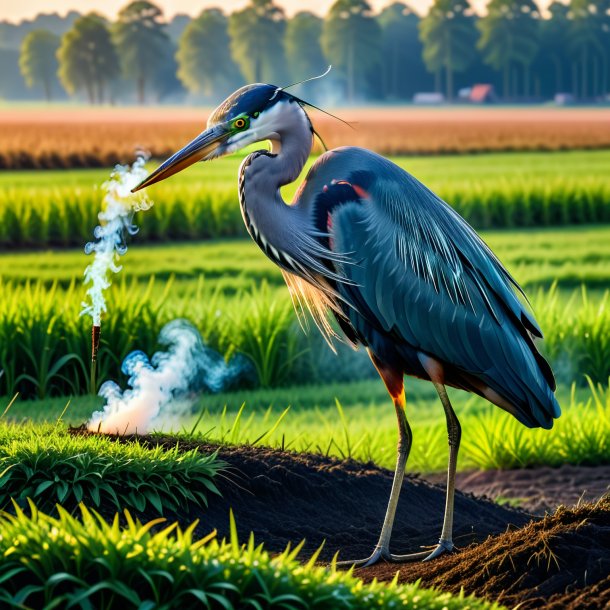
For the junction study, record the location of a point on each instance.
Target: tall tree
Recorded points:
(143, 44)
(303, 48)
(257, 41)
(403, 69)
(589, 44)
(204, 66)
(552, 64)
(510, 37)
(87, 58)
(351, 40)
(448, 34)
(38, 61)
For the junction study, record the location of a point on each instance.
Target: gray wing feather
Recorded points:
(430, 281)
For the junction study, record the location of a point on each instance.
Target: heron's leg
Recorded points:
(394, 383)
(405, 439)
(454, 432)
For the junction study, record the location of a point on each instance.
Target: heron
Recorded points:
(380, 260)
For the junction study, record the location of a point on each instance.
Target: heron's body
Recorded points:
(421, 282)
(402, 273)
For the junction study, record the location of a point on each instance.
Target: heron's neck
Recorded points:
(263, 173)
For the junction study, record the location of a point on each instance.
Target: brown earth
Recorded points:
(504, 555)
(286, 497)
(536, 490)
(559, 562)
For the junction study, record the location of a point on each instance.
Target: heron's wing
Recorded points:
(422, 275)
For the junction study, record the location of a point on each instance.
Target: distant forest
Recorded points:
(377, 57)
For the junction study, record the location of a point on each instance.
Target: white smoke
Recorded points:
(163, 387)
(118, 208)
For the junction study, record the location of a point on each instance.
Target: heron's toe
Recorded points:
(377, 555)
(442, 547)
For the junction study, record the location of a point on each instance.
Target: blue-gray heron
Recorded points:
(401, 272)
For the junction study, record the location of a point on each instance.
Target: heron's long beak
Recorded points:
(196, 150)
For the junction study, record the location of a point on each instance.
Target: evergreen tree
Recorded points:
(510, 37)
(403, 71)
(205, 66)
(143, 44)
(552, 64)
(351, 40)
(38, 61)
(87, 58)
(303, 49)
(448, 34)
(590, 45)
(257, 41)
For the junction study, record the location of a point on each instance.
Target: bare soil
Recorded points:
(503, 554)
(536, 490)
(560, 562)
(287, 497)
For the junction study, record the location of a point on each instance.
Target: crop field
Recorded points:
(236, 298)
(239, 495)
(83, 137)
(58, 208)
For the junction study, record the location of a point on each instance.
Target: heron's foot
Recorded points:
(443, 546)
(383, 554)
(377, 555)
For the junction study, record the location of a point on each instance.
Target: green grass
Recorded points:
(59, 208)
(366, 431)
(536, 257)
(357, 421)
(46, 464)
(85, 563)
(45, 345)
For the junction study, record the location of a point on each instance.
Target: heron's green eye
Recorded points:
(240, 123)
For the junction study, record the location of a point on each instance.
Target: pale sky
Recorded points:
(26, 9)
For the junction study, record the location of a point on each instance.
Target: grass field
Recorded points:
(59, 208)
(336, 420)
(536, 257)
(87, 137)
(292, 392)
(237, 300)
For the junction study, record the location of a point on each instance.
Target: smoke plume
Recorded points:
(163, 387)
(119, 206)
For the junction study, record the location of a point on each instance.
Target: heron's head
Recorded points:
(254, 113)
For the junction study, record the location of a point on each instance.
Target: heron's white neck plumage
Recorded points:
(285, 233)
(268, 218)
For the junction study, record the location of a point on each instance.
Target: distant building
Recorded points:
(464, 94)
(564, 99)
(482, 94)
(429, 98)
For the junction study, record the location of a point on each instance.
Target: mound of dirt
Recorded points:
(559, 562)
(537, 490)
(286, 497)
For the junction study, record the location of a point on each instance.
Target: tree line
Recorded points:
(386, 56)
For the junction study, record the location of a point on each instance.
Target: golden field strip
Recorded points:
(66, 136)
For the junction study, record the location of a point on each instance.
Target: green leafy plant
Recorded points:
(51, 562)
(46, 464)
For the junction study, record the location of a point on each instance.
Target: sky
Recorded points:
(26, 9)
